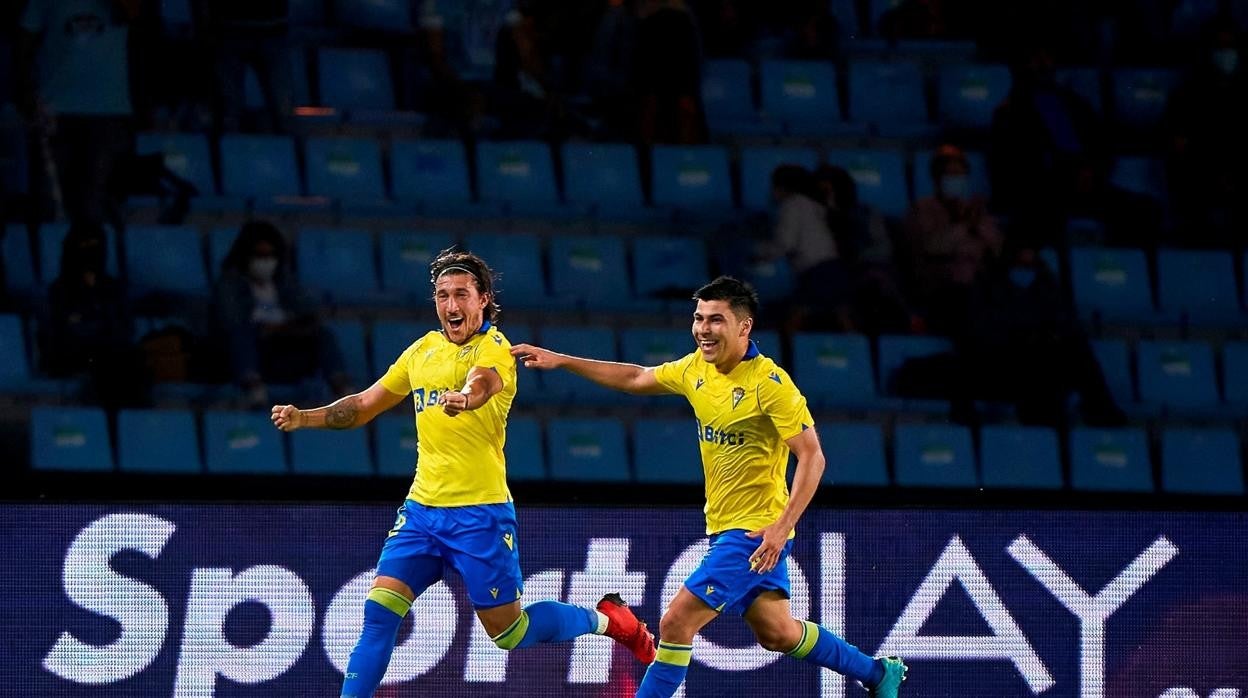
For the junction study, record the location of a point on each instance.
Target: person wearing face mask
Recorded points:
(948, 237)
(266, 322)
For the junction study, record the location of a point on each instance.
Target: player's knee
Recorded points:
(673, 628)
(774, 642)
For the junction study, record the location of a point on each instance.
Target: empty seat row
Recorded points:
(658, 451)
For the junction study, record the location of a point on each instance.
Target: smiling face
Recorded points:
(461, 306)
(722, 337)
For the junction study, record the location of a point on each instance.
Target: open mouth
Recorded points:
(707, 344)
(455, 322)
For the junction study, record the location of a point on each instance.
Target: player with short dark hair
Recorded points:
(458, 513)
(750, 415)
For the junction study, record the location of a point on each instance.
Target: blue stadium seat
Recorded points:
(605, 177)
(19, 264)
(855, 454)
(587, 450)
(517, 258)
(405, 258)
(338, 263)
(1140, 175)
(669, 267)
(880, 176)
(802, 94)
(186, 155)
(1198, 286)
(1114, 357)
(242, 443)
(352, 78)
(390, 339)
(259, 166)
(349, 334)
(1110, 460)
(528, 381)
(433, 174)
(165, 258)
(1235, 374)
(524, 452)
(1020, 457)
(301, 92)
(592, 270)
(772, 279)
(70, 438)
(875, 12)
(1140, 95)
(768, 342)
(1085, 82)
(923, 185)
(651, 347)
(693, 178)
(219, 242)
(345, 168)
(518, 174)
(1201, 461)
(758, 163)
(1113, 283)
(593, 342)
(889, 96)
(1178, 376)
(729, 101)
(846, 14)
(934, 456)
(895, 350)
(834, 370)
(51, 235)
(15, 372)
(394, 16)
(666, 452)
(396, 444)
(158, 441)
(968, 94)
(330, 452)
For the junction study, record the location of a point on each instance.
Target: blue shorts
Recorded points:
(477, 541)
(724, 580)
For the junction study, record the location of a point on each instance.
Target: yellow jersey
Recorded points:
(744, 419)
(459, 459)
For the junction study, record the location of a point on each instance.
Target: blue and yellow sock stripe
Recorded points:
(509, 638)
(810, 636)
(672, 653)
(390, 600)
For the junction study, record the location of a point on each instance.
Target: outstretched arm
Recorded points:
(346, 413)
(628, 378)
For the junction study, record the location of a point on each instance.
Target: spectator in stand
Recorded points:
(251, 33)
(266, 320)
(460, 41)
(669, 73)
(525, 95)
(948, 239)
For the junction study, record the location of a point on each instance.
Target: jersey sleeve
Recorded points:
(671, 375)
(397, 379)
(784, 404)
(494, 351)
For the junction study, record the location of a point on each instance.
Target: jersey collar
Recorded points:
(751, 352)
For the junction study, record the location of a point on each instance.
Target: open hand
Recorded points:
(767, 555)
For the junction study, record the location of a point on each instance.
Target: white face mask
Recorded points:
(262, 268)
(1226, 60)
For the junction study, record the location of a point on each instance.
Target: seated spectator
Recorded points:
(948, 238)
(669, 73)
(268, 325)
(88, 332)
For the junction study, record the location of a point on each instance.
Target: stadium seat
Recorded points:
(758, 163)
(259, 166)
(237, 443)
(517, 259)
(604, 177)
(1178, 376)
(353, 78)
(391, 339)
(666, 452)
(348, 169)
(768, 342)
(349, 334)
(19, 264)
(728, 100)
(51, 235)
(1112, 284)
(895, 350)
(330, 452)
(1110, 460)
(772, 279)
(593, 342)
(934, 456)
(923, 185)
(587, 450)
(520, 175)
(692, 178)
(1020, 457)
(855, 454)
(651, 347)
(405, 258)
(158, 441)
(968, 94)
(846, 14)
(880, 176)
(528, 381)
(253, 91)
(15, 369)
(165, 258)
(592, 271)
(669, 267)
(70, 438)
(1198, 286)
(186, 155)
(1140, 95)
(834, 370)
(1114, 357)
(393, 16)
(524, 452)
(1140, 175)
(432, 174)
(1085, 82)
(1201, 461)
(1235, 374)
(341, 264)
(888, 95)
(802, 94)
(396, 444)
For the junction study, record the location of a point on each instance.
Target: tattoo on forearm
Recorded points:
(342, 414)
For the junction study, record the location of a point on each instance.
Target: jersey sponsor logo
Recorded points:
(737, 394)
(427, 397)
(719, 437)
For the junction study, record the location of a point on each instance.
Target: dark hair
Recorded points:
(844, 188)
(794, 179)
(944, 156)
(452, 260)
(741, 296)
(251, 234)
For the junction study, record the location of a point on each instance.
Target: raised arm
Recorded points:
(346, 413)
(628, 378)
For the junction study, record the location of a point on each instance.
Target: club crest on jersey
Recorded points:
(508, 540)
(737, 393)
(464, 352)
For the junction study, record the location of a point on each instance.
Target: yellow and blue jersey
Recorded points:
(744, 419)
(460, 459)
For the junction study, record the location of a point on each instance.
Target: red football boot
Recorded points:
(624, 628)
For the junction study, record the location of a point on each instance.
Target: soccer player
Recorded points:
(750, 415)
(458, 513)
